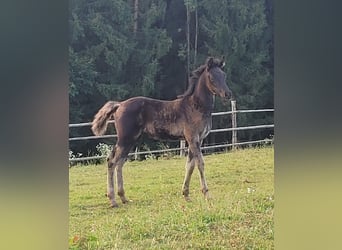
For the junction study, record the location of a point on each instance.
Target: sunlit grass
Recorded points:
(239, 215)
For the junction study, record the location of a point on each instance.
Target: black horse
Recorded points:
(187, 117)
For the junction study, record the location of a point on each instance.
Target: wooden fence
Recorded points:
(234, 129)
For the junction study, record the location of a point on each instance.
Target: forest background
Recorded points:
(124, 48)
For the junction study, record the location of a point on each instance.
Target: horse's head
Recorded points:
(216, 78)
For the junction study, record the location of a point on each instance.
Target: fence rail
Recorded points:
(182, 147)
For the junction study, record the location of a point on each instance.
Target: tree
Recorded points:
(111, 56)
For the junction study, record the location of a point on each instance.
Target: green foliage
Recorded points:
(104, 149)
(238, 29)
(239, 215)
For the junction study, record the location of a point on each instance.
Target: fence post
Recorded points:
(234, 125)
(135, 154)
(182, 147)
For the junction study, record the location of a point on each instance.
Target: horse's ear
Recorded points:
(210, 63)
(222, 63)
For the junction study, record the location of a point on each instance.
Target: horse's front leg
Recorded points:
(189, 168)
(120, 158)
(121, 191)
(204, 186)
(195, 147)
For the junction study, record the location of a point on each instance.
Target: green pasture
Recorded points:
(239, 214)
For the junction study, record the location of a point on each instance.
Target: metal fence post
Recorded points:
(234, 125)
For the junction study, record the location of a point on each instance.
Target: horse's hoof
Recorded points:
(187, 198)
(126, 201)
(207, 196)
(114, 205)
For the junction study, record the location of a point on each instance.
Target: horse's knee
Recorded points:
(110, 164)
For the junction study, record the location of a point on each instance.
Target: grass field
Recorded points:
(239, 215)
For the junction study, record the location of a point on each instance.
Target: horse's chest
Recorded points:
(206, 129)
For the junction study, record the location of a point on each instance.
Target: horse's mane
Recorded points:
(195, 75)
(193, 79)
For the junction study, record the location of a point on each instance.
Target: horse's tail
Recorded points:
(99, 124)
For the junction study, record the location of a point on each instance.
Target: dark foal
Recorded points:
(188, 117)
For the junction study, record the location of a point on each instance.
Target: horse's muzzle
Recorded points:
(228, 95)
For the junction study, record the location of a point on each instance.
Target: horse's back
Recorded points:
(142, 101)
(148, 106)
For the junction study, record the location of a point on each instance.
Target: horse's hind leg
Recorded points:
(121, 192)
(116, 161)
(110, 178)
(189, 168)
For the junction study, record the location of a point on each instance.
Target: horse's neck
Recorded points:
(202, 96)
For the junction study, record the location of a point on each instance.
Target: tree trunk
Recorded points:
(188, 38)
(196, 34)
(135, 16)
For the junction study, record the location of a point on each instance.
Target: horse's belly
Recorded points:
(166, 132)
